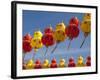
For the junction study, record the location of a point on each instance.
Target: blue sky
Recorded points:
(39, 20)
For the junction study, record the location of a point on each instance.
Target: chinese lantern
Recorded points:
(59, 34)
(72, 31)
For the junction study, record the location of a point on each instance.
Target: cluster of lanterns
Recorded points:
(53, 64)
(55, 36)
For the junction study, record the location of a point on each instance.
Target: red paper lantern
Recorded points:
(71, 62)
(38, 64)
(48, 39)
(27, 37)
(89, 58)
(53, 63)
(88, 61)
(48, 30)
(72, 31)
(74, 20)
(53, 60)
(26, 46)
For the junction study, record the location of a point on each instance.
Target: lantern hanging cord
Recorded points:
(46, 51)
(33, 55)
(69, 44)
(83, 42)
(54, 48)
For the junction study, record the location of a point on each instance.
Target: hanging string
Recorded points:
(69, 44)
(85, 36)
(54, 48)
(83, 42)
(46, 51)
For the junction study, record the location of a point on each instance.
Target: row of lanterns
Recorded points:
(53, 64)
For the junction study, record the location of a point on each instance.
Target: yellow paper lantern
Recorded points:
(59, 35)
(62, 63)
(86, 26)
(87, 16)
(36, 43)
(37, 34)
(80, 61)
(60, 26)
(30, 64)
(45, 64)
